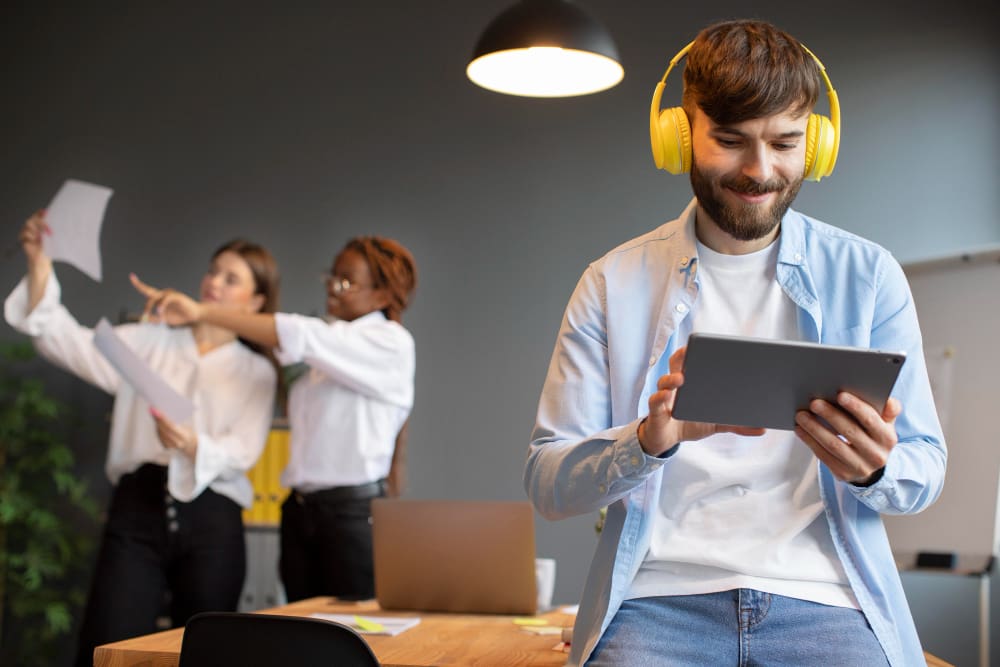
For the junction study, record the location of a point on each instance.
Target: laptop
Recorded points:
(454, 556)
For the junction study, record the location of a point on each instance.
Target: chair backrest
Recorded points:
(266, 640)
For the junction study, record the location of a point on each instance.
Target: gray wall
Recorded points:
(303, 124)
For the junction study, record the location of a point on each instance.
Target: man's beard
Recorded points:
(744, 222)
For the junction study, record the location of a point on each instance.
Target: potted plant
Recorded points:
(46, 517)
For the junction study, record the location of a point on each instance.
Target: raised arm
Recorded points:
(34, 308)
(39, 264)
(175, 308)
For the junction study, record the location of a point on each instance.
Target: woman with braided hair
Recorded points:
(346, 411)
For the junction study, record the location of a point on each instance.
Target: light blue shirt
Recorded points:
(620, 323)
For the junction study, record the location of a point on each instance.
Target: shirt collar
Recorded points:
(374, 316)
(792, 239)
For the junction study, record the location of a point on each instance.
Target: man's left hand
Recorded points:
(855, 440)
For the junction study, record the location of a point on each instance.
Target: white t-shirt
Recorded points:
(346, 412)
(738, 511)
(231, 386)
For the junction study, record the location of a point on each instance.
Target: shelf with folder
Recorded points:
(262, 587)
(976, 566)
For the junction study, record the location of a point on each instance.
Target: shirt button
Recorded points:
(602, 488)
(652, 360)
(634, 461)
(171, 512)
(173, 526)
(684, 261)
(681, 308)
(798, 257)
(168, 499)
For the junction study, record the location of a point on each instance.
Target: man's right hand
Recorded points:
(659, 431)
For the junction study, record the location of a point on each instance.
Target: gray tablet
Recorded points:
(758, 382)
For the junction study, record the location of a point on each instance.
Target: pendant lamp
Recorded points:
(545, 48)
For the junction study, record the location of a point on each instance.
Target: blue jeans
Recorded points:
(738, 627)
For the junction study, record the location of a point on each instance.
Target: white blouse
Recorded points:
(346, 411)
(232, 389)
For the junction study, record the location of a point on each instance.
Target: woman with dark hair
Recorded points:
(346, 411)
(175, 519)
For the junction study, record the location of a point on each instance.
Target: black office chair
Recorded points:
(212, 639)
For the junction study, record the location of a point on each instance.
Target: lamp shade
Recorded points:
(545, 48)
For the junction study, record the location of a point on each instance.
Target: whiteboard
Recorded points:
(958, 305)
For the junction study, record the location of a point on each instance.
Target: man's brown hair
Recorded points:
(747, 69)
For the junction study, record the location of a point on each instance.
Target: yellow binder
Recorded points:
(265, 477)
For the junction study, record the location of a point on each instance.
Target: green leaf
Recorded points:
(59, 618)
(45, 514)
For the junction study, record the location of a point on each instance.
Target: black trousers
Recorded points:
(326, 543)
(153, 544)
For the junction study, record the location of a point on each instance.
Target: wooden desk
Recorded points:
(439, 639)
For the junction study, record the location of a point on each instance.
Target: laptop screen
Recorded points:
(456, 556)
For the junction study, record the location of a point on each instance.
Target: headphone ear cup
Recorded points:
(674, 134)
(821, 143)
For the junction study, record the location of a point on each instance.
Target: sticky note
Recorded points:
(367, 625)
(530, 621)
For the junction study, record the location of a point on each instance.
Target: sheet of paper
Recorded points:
(137, 373)
(75, 217)
(543, 630)
(390, 625)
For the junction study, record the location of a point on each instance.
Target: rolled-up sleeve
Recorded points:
(915, 470)
(228, 453)
(374, 358)
(578, 462)
(58, 337)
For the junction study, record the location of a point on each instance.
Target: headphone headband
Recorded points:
(834, 101)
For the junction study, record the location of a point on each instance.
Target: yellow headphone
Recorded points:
(670, 132)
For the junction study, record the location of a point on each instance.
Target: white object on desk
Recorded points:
(545, 582)
(388, 625)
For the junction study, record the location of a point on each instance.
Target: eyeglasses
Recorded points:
(340, 285)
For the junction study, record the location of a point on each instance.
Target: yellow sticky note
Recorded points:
(370, 626)
(530, 621)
